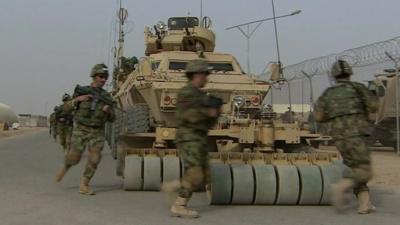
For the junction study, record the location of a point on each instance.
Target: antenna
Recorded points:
(122, 16)
(201, 13)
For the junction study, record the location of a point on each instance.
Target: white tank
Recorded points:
(7, 115)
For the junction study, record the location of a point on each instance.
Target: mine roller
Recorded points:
(255, 158)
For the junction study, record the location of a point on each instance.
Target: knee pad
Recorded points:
(193, 178)
(73, 158)
(94, 157)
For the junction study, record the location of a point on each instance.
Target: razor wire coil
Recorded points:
(362, 56)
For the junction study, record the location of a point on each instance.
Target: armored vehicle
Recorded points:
(255, 159)
(384, 86)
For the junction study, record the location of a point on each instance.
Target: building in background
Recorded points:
(29, 120)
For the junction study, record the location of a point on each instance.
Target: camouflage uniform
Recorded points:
(344, 108)
(53, 124)
(88, 132)
(193, 120)
(191, 137)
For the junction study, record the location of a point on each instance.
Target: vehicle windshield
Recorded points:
(179, 23)
(216, 66)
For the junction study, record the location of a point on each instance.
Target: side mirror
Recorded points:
(380, 91)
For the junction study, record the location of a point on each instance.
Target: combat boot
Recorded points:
(340, 192)
(179, 209)
(60, 175)
(84, 187)
(364, 203)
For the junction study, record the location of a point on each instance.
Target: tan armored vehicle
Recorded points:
(385, 118)
(247, 147)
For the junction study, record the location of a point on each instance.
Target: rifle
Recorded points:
(214, 102)
(96, 97)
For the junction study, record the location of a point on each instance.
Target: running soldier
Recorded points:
(92, 107)
(64, 123)
(196, 113)
(345, 109)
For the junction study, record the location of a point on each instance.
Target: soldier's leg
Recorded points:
(74, 155)
(357, 157)
(193, 178)
(342, 190)
(361, 173)
(68, 137)
(95, 146)
(61, 137)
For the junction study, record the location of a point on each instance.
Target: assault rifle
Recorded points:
(96, 97)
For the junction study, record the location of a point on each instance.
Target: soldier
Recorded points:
(195, 115)
(53, 124)
(90, 116)
(64, 123)
(288, 116)
(345, 108)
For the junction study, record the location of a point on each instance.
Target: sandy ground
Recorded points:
(386, 166)
(20, 131)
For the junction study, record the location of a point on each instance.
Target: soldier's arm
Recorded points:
(319, 110)
(69, 106)
(370, 100)
(193, 108)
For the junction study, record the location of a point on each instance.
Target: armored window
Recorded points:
(216, 67)
(177, 65)
(226, 67)
(180, 23)
(154, 65)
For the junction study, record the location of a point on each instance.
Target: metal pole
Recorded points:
(397, 109)
(396, 64)
(302, 98)
(290, 101)
(272, 95)
(276, 32)
(309, 77)
(248, 49)
(201, 12)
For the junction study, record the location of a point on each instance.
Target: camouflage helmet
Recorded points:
(197, 66)
(66, 97)
(99, 69)
(341, 67)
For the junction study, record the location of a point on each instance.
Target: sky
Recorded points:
(49, 46)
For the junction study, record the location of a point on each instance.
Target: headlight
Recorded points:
(239, 102)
